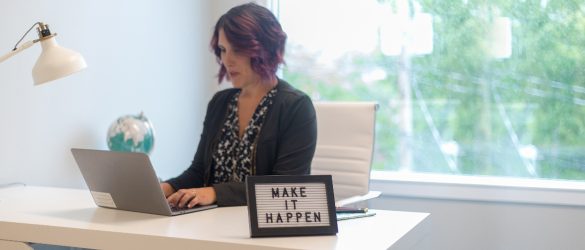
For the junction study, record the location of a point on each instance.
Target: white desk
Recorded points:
(68, 217)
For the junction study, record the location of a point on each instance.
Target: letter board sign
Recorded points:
(287, 205)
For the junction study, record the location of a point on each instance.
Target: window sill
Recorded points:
(479, 188)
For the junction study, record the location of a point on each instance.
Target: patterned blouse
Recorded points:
(232, 160)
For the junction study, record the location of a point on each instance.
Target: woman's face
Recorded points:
(237, 64)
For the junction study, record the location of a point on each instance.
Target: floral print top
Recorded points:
(232, 159)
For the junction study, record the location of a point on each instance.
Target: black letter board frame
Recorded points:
(255, 231)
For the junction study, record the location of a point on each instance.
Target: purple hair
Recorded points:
(255, 31)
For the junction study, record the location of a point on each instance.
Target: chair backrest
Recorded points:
(345, 145)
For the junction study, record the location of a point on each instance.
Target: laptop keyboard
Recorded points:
(177, 209)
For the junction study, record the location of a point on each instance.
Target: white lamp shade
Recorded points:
(56, 62)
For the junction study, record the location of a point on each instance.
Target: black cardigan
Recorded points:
(286, 143)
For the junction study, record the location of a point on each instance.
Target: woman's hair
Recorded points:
(254, 31)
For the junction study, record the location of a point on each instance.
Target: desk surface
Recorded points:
(68, 217)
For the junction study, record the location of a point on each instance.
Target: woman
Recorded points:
(262, 126)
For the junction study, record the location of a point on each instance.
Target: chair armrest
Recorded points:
(357, 198)
(6, 244)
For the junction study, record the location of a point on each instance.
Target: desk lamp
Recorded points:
(54, 62)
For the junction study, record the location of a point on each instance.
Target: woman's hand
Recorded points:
(192, 197)
(167, 189)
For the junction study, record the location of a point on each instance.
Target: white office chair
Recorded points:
(345, 146)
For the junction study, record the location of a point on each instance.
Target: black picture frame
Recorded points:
(292, 229)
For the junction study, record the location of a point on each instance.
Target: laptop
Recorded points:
(125, 181)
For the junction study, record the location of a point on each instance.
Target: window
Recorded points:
(488, 88)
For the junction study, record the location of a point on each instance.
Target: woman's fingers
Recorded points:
(192, 197)
(181, 197)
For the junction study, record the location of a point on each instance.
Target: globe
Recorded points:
(131, 133)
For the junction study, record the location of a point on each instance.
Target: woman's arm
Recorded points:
(297, 142)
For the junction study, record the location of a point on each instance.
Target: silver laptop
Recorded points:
(125, 181)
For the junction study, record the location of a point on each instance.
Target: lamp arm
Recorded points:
(43, 32)
(24, 46)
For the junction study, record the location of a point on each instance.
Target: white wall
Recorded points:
(150, 56)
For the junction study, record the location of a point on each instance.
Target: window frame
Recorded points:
(478, 188)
